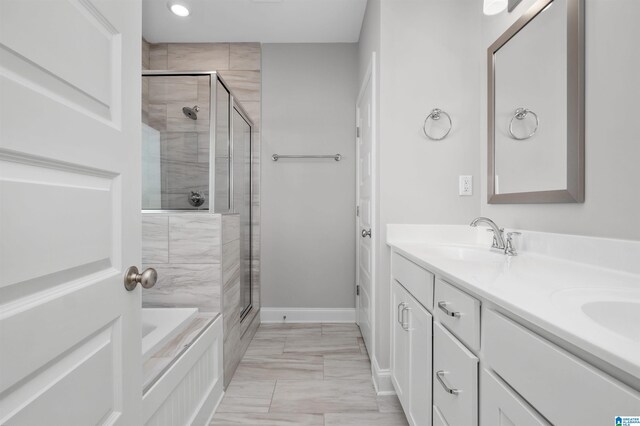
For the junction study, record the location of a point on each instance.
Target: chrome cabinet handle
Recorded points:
(398, 313)
(405, 324)
(366, 233)
(146, 279)
(400, 318)
(443, 308)
(439, 375)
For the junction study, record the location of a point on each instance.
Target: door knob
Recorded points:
(147, 278)
(366, 233)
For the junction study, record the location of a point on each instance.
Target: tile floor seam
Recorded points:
(324, 377)
(273, 392)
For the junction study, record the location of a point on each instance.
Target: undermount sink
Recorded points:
(616, 310)
(620, 317)
(466, 253)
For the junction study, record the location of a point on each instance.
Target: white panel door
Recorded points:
(69, 212)
(366, 198)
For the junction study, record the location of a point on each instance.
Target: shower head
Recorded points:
(192, 113)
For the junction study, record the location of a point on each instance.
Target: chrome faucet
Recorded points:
(498, 237)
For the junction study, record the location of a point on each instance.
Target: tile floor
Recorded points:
(306, 375)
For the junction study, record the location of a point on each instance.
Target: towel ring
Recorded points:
(436, 114)
(521, 114)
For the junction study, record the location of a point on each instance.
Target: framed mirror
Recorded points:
(536, 107)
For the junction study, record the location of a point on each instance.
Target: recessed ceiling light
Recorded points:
(179, 9)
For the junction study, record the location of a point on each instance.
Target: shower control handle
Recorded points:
(133, 277)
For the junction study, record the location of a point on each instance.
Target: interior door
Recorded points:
(69, 212)
(365, 236)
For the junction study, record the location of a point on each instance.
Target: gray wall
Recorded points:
(308, 241)
(612, 199)
(430, 57)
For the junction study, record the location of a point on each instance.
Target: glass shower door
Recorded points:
(242, 202)
(175, 142)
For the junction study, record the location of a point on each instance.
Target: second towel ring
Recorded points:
(436, 114)
(521, 114)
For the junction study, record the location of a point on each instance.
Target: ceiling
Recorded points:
(266, 21)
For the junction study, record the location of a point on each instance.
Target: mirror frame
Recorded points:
(574, 193)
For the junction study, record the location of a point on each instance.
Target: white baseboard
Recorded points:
(382, 379)
(275, 315)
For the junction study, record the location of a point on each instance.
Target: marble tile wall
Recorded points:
(237, 334)
(231, 294)
(239, 65)
(185, 249)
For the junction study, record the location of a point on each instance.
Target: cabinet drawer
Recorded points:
(561, 387)
(499, 405)
(459, 312)
(455, 379)
(418, 281)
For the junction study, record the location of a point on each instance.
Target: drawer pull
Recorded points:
(404, 324)
(443, 308)
(439, 375)
(400, 312)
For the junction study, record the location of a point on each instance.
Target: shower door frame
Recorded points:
(213, 124)
(235, 105)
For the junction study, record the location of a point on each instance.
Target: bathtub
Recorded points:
(159, 325)
(189, 389)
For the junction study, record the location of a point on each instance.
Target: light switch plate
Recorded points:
(465, 185)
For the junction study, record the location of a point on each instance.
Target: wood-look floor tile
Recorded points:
(341, 330)
(362, 419)
(389, 404)
(321, 345)
(251, 388)
(271, 419)
(235, 404)
(286, 366)
(352, 356)
(261, 347)
(336, 368)
(288, 330)
(323, 396)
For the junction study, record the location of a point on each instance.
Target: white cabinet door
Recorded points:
(420, 364)
(400, 343)
(499, 405)
(69, 212)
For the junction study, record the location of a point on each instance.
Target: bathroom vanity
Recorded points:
(550, 336)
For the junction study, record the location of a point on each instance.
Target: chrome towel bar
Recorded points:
(276, 157)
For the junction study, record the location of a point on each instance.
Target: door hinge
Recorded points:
(358, 211)
(357, 290)
(358, 131)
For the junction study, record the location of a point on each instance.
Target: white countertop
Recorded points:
(546, 286)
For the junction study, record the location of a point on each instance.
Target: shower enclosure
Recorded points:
(196, 153)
